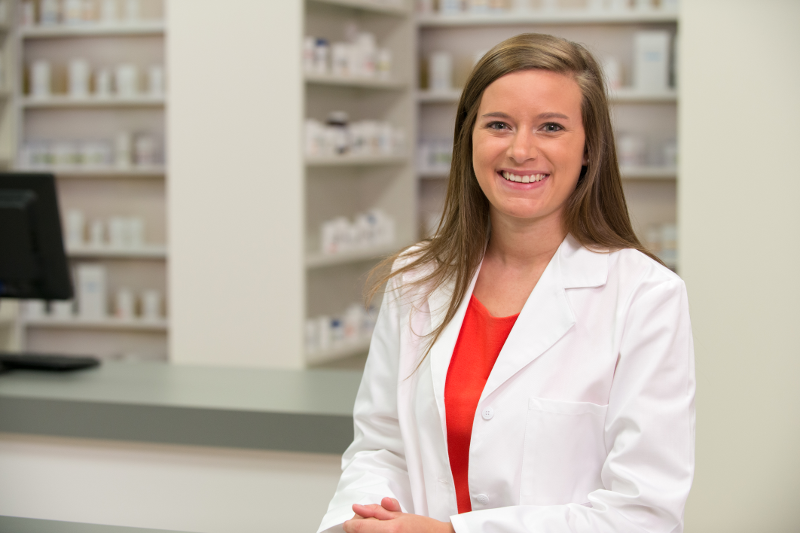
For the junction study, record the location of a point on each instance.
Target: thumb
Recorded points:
(390, 504)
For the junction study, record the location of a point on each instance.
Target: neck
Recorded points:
(523, 243)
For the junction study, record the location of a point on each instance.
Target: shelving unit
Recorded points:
(10, 333)
(539, 17)
(142, 28)
(348, 184)
(100, 192)
(650, 189)
(155, 172)
(78, 103)
(113, 324)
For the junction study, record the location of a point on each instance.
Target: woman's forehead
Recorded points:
(532, 91)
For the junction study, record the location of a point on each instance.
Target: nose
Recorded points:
(523, 146)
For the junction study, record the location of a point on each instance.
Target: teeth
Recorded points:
(523, 179)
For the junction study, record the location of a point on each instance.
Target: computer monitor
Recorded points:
(32, 259)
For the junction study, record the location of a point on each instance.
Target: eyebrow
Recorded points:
(500, 114)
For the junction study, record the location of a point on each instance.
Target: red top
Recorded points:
(479, 343)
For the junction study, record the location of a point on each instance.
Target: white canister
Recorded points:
(133, 10)
(76, 224)
(66, 154)
(79, 78)
(440, 71)
(126, 80)
(123, 144)
(97, 234)
(28, 13)
(631, 150)
(35, 309)
(118, 232)
(102, 83)
(151, 305)
(40, 79)
(49, 12)
(91, 283)
(155, 81)
(63, 310)
(108, 11)
(325, 334)
(145, 150)
(612, 68)
(124, 304)
(73, 12)
(135, 232)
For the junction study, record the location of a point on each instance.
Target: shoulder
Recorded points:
(637, 275)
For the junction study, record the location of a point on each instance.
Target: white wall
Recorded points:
(203, 490)
(234, 186)
(739, 216)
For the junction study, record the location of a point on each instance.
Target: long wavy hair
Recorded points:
(596, 214)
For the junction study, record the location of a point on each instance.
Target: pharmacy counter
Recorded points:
(295, 410)
(30, 525)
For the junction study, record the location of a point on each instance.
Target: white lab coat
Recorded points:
(586, 423)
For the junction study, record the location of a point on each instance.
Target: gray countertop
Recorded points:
(298, 410)
(10, 524)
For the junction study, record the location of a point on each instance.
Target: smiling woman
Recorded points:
(532, 365)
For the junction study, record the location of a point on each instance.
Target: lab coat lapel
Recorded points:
(442, 350)
(546, 316)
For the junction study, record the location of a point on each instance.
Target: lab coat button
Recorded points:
(482, 498)
(487, 413)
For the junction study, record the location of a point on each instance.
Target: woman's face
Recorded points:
(528, 144)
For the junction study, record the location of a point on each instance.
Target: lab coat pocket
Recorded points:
(564, 451)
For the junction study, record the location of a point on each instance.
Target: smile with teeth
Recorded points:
(523, 179)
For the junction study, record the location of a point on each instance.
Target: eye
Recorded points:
(552, 127)
(497, 126)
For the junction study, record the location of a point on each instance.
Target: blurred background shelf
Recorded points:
(145, 252)
(396, 8)
(58, 101)
(368, 83)
(156, 27)
(339, 352)
(356, 160)
(319, 259)
(98, 324)
(100, 173)
(577, 16)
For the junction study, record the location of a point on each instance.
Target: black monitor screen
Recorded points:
(32, 259)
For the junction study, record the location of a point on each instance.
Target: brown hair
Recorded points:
(596, 214)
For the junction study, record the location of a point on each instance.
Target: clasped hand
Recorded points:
(388, 518)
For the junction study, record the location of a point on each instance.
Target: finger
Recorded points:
(374, 511)
(390, 504)
(360, 526)
(367, 511)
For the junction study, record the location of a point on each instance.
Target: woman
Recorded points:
(532, 366)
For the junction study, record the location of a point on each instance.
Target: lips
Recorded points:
(523, 178)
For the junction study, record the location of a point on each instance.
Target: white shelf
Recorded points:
(377, 6)
(145, 252)
(649, 173)
(628, 173)
(63, 101)
(356, 160)
(99, 324)
(339, 352)
(623, 95)
(101, 173)
(156, 27)
(319, 259)
(361, 83)
(575, 16)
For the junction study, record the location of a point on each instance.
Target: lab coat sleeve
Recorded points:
(649, 431)
(374, 466)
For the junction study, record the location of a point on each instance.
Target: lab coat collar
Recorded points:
(544, 319)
